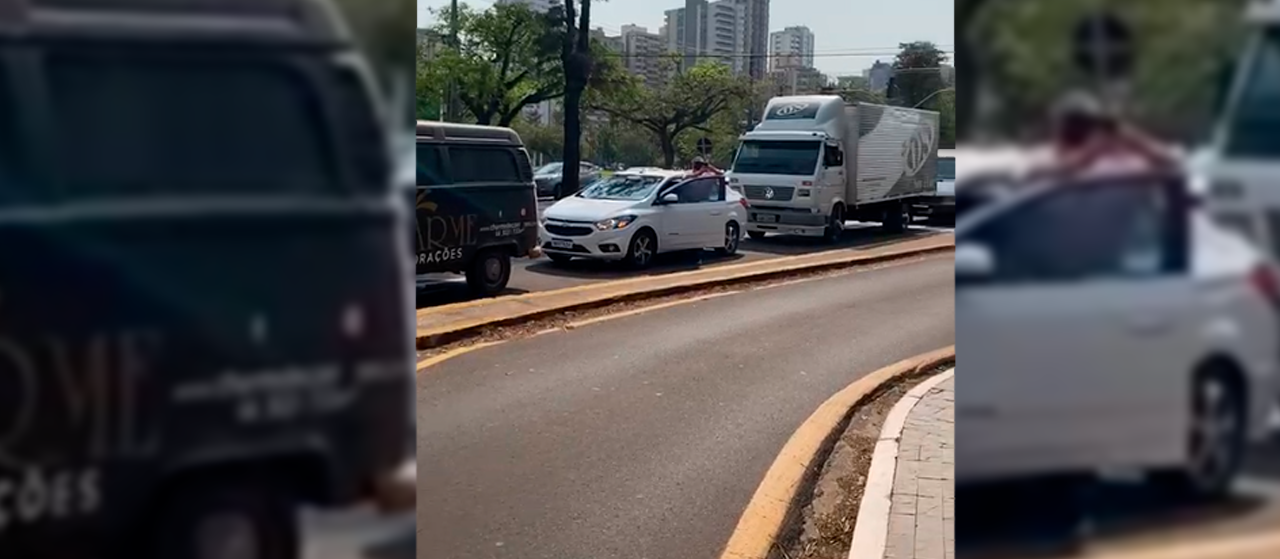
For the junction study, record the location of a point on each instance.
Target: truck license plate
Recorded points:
(766, 218)
(561, 243)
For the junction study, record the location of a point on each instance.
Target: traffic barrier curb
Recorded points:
(779, 497)
(450, 323)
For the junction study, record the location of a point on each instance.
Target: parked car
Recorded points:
(475, 203)
(632, 217)
(550, 176)
(1111, 325)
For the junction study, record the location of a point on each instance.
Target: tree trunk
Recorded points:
(572, 141)
(668, 145)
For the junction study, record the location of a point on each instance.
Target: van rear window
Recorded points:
(475, 164)
(141, 122)
(10, 156)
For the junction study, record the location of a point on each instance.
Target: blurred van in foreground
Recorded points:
(205, 310)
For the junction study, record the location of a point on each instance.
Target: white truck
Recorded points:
(816, 161)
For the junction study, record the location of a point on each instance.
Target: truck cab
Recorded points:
(1241, 166)
(815, 162)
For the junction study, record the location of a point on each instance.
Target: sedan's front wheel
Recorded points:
(644, 246)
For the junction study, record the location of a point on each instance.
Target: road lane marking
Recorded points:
(764, 518)
(642, 310)
(442, 357)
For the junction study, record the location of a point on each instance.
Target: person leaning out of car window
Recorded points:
(1088, 140)
(701, 168)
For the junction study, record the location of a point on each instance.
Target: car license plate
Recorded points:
(561, 243)
(766, 218)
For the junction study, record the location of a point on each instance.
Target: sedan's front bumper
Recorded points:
(599, 245)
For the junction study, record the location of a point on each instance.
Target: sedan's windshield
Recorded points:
(778, 157)
(549, 169)
(946, 168)
(622, 187)
(1252, 123)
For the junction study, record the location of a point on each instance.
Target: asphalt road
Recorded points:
(1117, 516)
(542, 275)
(645, 436)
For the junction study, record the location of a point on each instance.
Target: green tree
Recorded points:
(1182, 46)
(689, 100)
(917, 73)
(946, 107)
(500, 65)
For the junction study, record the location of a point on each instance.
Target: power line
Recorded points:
(677, 55)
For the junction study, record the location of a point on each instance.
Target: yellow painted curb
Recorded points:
(767, 513)
(519, 308)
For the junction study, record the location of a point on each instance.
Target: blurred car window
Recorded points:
(472, 164)
(137, 122)
(1046, 239)
(430, 167)
(1252, 125)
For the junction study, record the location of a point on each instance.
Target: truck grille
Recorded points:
(566, 230)
(780, 193)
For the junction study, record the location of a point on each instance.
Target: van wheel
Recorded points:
(756, 235)
(224, 521)
(643, 247)
(489, 273)
(1217, 439)
(835, 225)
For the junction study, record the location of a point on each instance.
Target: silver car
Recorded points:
(550, 176)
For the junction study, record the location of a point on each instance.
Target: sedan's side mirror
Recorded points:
(670, 198)
(974, 262)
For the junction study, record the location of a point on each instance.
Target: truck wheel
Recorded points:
(835, 225)
(895, 218)
(489, 272)
(224, 521)
(756, 235)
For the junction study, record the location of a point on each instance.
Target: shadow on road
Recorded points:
(447, 291)
(854, 237)
(1049, 519)
(663, 264)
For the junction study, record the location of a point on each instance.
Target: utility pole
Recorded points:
(451, 101)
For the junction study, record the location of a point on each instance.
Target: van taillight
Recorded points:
(1267, 283)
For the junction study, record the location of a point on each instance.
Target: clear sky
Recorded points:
(848, 34)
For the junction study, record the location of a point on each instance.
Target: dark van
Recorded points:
(477, 204)
(205, 308)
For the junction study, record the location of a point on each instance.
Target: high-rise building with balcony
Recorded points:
(790, 47)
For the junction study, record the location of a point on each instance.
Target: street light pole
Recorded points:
(932, 95)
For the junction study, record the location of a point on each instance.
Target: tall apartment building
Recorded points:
(642, 54)
(792, 46)
(703, 30)
(756, 43)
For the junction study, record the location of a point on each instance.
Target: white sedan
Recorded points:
(1110, 325)
(636, 215)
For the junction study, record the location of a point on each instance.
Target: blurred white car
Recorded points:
(1111, 325)
(633, 216)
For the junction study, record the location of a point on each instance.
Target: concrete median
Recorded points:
(442, 325)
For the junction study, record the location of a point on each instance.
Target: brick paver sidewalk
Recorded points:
(922, 516)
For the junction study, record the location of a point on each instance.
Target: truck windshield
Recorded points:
(946, 168)
(1251, 125)
(621, 187)
(778, 157)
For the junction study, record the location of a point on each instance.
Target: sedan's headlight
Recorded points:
(620, 222)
